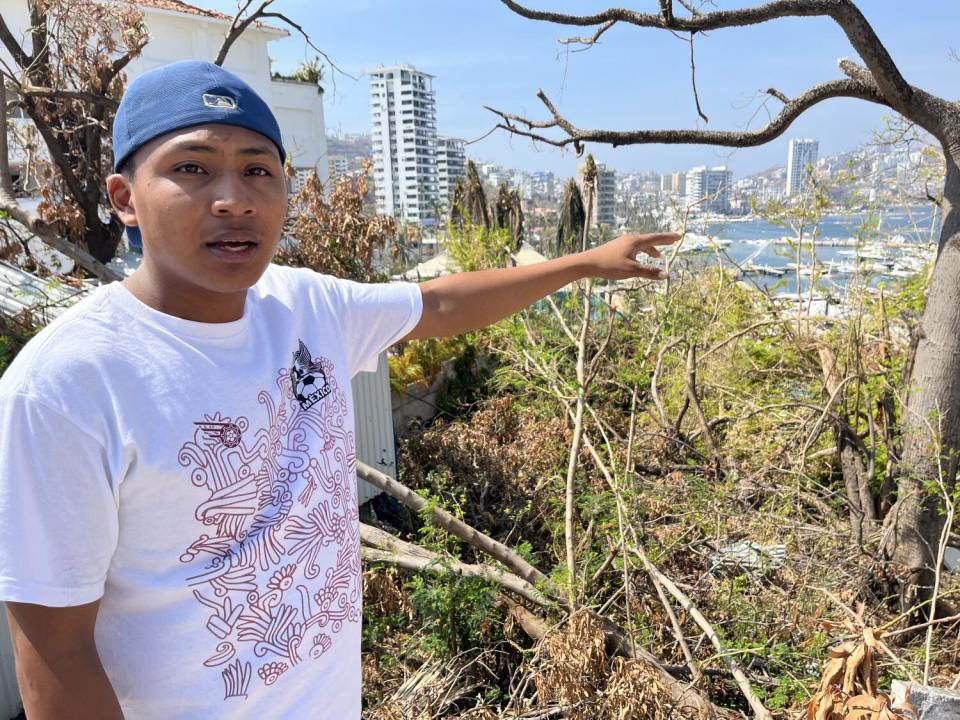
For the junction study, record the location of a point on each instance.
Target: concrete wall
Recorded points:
(9, 695)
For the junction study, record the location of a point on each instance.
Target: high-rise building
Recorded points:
(451, 164)
(801, 156)
(679, 183)
(605, 202)
(403, 111)
(340, 166)
(674, 184)
(708, 189)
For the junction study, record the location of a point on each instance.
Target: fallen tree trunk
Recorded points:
(473, 537)
(385, 548)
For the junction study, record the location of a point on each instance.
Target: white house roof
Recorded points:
(178, 6)
(436, 266)
(182, 7)
(526, 255)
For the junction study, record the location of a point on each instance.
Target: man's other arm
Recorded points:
(58, 668)
(459, 303)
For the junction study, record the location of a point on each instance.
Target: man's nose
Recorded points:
(233, 197)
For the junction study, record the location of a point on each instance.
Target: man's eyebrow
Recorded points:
(252, 150)
(255, 150)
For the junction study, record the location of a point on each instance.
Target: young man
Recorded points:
(178, 518)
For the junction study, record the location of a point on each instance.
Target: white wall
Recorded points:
(178, 36)
(299, 110)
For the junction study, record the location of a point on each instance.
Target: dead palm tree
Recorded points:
(571, 221)
(508, 214)
(469, 201)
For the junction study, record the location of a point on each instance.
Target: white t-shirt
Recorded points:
(200, 480)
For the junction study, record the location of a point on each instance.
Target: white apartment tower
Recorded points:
(403, 110)
(801, 156)
(604, 204)
(708, 189)
(451, 164)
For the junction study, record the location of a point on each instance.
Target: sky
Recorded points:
(481, 53)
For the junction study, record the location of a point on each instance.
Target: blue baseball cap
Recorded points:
(184, 94)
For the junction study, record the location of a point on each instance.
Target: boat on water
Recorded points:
(694, 242)
(752, 268)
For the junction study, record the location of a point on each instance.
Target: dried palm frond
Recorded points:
(436, 687)
(848, 687)
(575, 664)
(635, 692)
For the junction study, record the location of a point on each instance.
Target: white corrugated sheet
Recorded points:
(19, 291)
(373, 418)
(9, 696)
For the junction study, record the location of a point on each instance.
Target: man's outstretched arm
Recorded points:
(58, 668)
(463, 302)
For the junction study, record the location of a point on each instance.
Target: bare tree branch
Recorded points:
(20, 56)
(32, 222)
(241, 22)
(237, 26)
(666, 11)
(778, 95)
(693, 82)
(577, 136)
(118, 65)
(6, 181)
(59, 153)
(91, 98)
(759, 711)
(845, 13)
(589, 41)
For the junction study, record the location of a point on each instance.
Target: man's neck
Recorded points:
(186, 302)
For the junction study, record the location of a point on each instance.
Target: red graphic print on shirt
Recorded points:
(278, 563)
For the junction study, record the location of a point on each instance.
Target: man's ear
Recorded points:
(120, 192)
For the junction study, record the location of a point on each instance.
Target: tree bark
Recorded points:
(931, 422)
(384, 547)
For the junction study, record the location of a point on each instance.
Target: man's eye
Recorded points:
(190, 169)
(259, 171)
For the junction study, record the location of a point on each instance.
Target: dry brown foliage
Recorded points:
(334, 235)
(576, 673)
(502, 459)
(848, 688)
(634, 692)
(384, 595)
(70, 90)
(575, 665)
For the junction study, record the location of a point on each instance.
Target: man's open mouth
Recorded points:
(232, 246)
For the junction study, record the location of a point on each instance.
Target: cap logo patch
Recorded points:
(221, 102)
